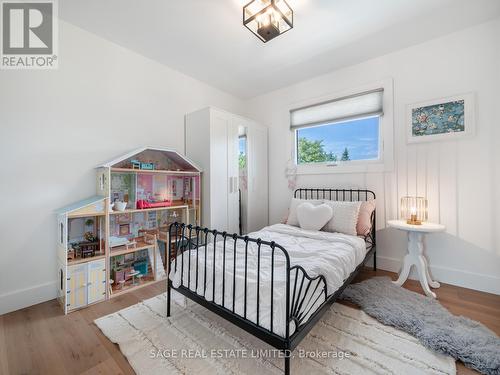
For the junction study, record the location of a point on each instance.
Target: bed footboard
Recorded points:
(306, 298)
(236, 257)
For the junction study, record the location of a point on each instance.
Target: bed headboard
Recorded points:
(349, 195)
(334, 194)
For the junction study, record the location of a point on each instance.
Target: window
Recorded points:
(341, 141)
(242, 155)
(348, 132)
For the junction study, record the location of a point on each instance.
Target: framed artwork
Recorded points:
(124, 229)
(441, 119)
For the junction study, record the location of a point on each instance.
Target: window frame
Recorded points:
(384, 163)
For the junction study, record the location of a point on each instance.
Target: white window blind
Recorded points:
(369, 103)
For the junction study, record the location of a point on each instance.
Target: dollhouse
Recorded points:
(117, 241)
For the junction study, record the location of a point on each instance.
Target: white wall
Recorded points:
(55, 126)
(460, 178)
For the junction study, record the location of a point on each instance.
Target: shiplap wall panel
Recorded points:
(411, 163)
(448, 186)
(432, 179)
(376, 183)
(401, 179)
(421, 170)
(474, 193)
(391, 190)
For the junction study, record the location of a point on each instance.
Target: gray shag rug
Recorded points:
(424, 317)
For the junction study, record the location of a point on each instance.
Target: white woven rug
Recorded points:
(196, 341)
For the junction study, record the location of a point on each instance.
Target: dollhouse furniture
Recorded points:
(141, 204)
(120, 274)
(117, 241)
(167, 184)
(87, 249)
(131, 245)
(133, 274)
(141, 266)
(148, 166)
(119, 206)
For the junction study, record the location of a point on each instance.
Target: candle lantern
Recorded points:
(414, 210)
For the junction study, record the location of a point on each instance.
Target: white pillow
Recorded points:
(313, 217)
(292, 212)
(345, 217)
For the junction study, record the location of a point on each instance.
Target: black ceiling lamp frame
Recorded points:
(270, 20)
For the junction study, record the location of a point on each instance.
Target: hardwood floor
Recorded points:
(41, 340)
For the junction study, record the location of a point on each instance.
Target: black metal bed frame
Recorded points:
(187, 238)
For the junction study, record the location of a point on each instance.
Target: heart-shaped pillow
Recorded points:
(312, 217)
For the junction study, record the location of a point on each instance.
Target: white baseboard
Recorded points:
(19, 299)
(464, 279)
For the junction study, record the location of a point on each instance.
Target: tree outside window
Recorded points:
(344, 141)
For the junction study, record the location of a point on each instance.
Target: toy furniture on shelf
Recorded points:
(125, 261)
(85, 236)
(119, 274)
(87, 249)
(141, 266)
(141, 204)
(135, 164)
(134, 260)
(99, 248)
(133, 274)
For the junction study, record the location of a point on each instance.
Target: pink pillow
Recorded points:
(364, 226)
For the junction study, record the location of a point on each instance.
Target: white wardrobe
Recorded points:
(212, 141)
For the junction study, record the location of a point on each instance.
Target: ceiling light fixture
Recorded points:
(267, 18)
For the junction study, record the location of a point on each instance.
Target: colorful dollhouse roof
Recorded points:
(163, 159)
(96, 201)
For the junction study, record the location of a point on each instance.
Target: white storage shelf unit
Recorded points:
(168, 190)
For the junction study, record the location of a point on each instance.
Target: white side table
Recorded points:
(415, 254)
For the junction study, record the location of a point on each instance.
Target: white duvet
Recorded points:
(332, 255)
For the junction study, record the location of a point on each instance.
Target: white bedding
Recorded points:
(332, 255)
